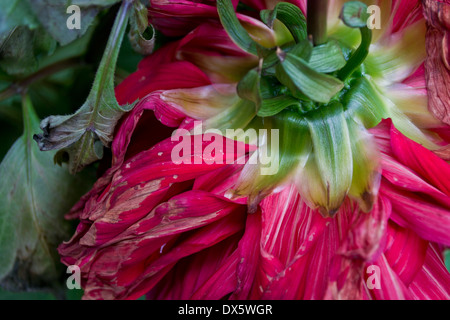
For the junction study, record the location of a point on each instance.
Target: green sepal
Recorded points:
(303, 50)
(235, 30)
(249, 87)
(290, 15)
(275, 105)
(237, 116)
(366, 166)
(364, 102)
(294, 148)
(302, 80)
(327, 57)
(333, 154)
(271, 87)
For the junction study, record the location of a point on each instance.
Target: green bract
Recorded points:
(322, 102)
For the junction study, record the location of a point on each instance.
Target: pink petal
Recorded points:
(433, 280)
(366, 236)
(406, 179)
(417, 79)
(428, 219)
(382, 136)
(290, 233)
(405, 13)
(405, 252)
(423, 161)
(391, 286)
(362, 240)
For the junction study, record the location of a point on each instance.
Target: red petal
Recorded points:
(177, 18)
(249, 251)
(364, 238)
(172, 75)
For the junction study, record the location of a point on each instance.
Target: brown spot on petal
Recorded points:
(437, 63)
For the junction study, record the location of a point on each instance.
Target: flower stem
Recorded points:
(359, 56)
(316, 19)
(21, 86)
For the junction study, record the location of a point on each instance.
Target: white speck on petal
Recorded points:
(175, 176)
(160, 154)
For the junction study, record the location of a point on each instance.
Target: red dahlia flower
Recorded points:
(359, 207)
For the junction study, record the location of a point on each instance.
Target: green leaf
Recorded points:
(290, 15)
(333, 154)
(35, 195)
(327, 57)
(21, 50)
(234, 29)
(52, 14)
(16, 13)
(301, 79)
(81, 136)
